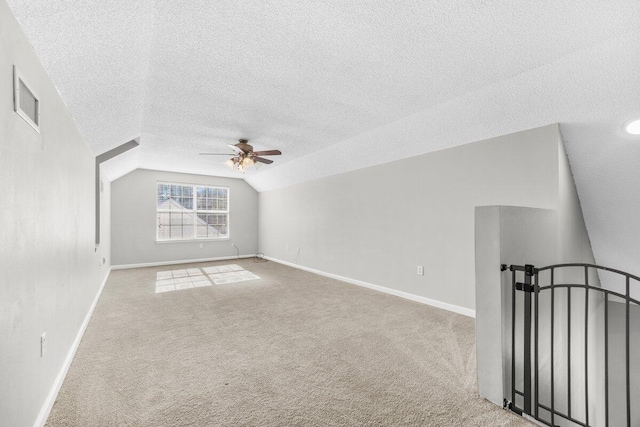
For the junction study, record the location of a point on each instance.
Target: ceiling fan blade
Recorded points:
(235, 149)
(261, 160)
(267, 153)
(216, 154)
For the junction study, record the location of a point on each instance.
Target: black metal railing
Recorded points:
(534, 310)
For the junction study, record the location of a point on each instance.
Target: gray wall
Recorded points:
(49, 266)
(573, 246)
(133, 216)
(573, 239)
(505, 235)
(378, 224)
(533, 237)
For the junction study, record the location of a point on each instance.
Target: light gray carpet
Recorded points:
(290, 349)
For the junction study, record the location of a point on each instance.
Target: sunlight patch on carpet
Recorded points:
(232, 273)
(177, 280)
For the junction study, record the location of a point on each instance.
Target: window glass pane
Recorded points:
(175, 225)
(201, 227)
(164, 228)
(211, 199)
(211, 225)
(204, 226)
(163, 195)
(175, 197)
(187, 202)
(222, 224)
(176, 203)
(188, 220)
(181, 225)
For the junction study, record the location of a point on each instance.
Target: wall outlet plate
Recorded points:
(420, 270)
(43, 344)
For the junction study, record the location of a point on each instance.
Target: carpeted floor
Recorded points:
(288, 349)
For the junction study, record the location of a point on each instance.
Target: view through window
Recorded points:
(187, 212)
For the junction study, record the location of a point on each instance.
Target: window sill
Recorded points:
(222, 239)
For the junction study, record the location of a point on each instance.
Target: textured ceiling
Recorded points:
(348, 84)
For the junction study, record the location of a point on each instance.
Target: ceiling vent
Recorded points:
(25, 102)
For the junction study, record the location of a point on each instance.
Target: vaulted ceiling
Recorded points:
(341, 85)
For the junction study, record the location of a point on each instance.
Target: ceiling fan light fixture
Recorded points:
(229, 163)
(248, 162)
(633, 127)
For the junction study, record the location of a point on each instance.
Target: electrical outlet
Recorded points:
(287, 248)
(43, 344)
(420, 270)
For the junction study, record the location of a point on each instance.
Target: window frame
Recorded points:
(195, 211)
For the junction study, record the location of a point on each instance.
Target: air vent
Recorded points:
(26, 103)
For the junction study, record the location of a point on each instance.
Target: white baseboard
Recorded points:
(182, 261)
(53, 393)
(428, 301)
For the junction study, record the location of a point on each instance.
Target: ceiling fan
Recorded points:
(244, 157)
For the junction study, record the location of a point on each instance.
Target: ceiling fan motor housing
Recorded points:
(243, 144)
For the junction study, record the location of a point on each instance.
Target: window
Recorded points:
(187, 212)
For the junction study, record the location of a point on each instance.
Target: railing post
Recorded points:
(528, 273)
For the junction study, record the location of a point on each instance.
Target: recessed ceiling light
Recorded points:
(633, 127)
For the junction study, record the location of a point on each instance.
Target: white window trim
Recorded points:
(195, 211)
(17, 76)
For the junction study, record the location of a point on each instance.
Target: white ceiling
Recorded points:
(348, 84)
